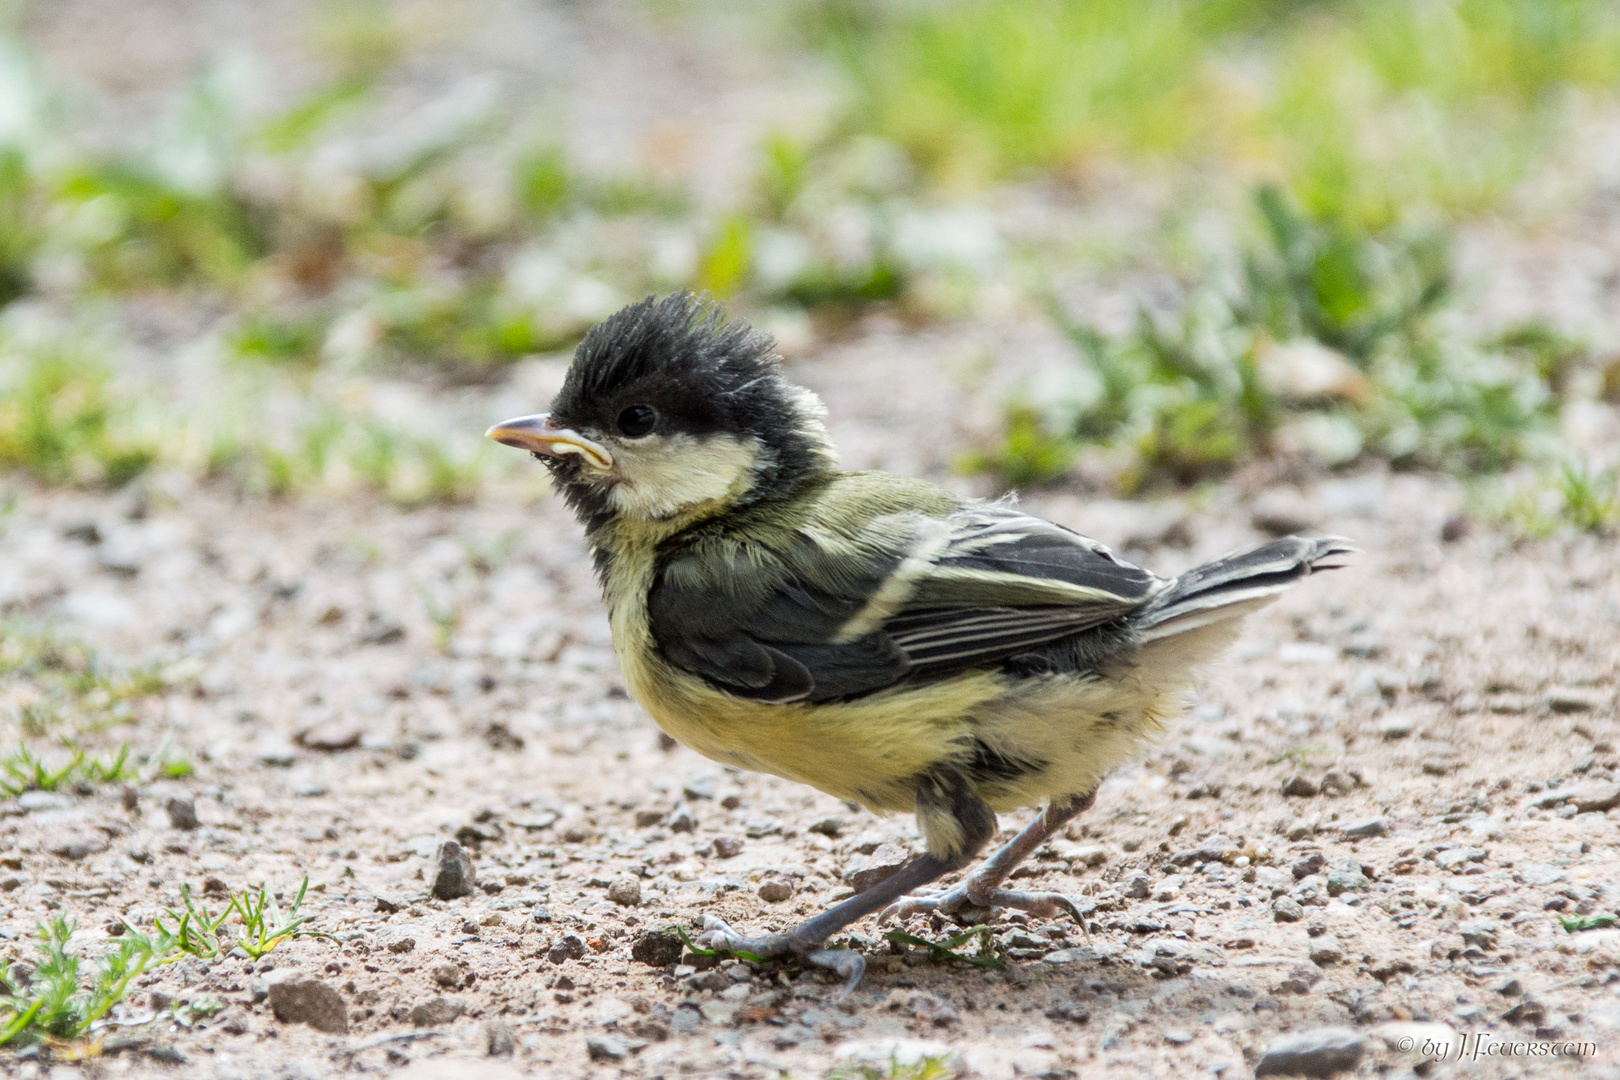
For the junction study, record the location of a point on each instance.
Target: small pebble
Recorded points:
(775, 891)
(1321, 1053)
(454, 875)
(182, 813)
(625, 890)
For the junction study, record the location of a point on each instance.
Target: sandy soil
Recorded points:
(1450, 704)
(1372, 816)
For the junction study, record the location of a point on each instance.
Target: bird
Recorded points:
(873, 636)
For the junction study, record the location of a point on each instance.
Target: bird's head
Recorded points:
(667, 411)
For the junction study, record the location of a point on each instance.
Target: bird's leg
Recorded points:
(945, 800)
(806, 939)
(982, 888)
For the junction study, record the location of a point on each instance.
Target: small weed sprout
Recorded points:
(57, 999)
(265, 925)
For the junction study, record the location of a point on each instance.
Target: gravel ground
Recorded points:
(1370, 817)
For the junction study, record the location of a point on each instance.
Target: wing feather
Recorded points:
(831, 614)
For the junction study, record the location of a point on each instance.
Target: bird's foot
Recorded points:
(969, 901)
(846, 963)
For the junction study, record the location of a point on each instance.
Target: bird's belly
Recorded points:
(1061, 735)
(1049, 736)
(869, 751)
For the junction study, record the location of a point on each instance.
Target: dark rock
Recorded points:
(611, 1047)
(446, 975)
(309, 1001)
(701, 788)
(1309, 865)
(680, 820)
(829, 826)
(1368, 828)
(1323, 955)
(1138, 888)
(388, 904)
(455, 875)
(381, 630)
(337, 735)
(498, 1040)
(479, 832)
(656, 948)
(775, 891)
(182, 813)
(435, 1013)
(728, 847)
(75, 845)
(866, 871)
(1300, 980)
(646, 819)
(1299, 787)
(1319, 1053)
(567, 947)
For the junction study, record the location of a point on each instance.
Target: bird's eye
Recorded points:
(637, 421)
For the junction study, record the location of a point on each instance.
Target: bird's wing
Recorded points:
(825, 613)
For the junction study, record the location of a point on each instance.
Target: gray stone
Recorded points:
(182, 813)
(435, 1013)
(728, 847)
(309, 1001)
(1138, 888)
(1595, 798)
(1480, 932)
(1346, 877)
(446, 975)
(625, 890)
(1286, 909)
(1455, 859)
(454, 874)
(1368, 828)
(1319, 1053)
(1541, 874)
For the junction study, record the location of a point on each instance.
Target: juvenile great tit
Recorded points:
(873, 636)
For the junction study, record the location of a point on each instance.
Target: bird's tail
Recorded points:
(1232, 587)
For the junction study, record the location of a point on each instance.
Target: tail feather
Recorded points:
(1232, 587)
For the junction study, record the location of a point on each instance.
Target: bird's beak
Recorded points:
(539, 434)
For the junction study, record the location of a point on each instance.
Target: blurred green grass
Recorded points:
(1364, 132)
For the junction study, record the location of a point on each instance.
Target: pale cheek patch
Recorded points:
(660, 476)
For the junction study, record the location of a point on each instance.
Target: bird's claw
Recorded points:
(964, 899)
(846, 963)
